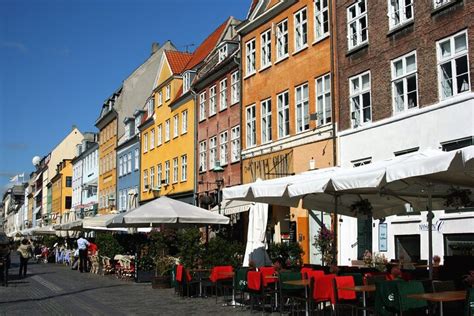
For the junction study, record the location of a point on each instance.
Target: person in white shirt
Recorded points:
(82, 245)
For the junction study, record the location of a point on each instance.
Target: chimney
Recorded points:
(154, 47)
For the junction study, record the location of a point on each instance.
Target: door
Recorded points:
(407, 247)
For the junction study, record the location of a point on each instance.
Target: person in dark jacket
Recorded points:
(25, 253)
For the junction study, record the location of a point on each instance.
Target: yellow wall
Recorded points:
(107, 167)
(59, 189)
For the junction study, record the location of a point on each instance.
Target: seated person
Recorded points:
(393, 272)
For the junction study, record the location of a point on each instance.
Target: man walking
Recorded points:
(82, 245)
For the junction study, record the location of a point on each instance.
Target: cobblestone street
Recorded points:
(51, 289)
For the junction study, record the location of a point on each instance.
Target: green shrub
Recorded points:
(289, 253)
(108, 245)
(220, 251)
(189, 247)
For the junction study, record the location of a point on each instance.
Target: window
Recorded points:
(152, 177)
(167, 172)
(159, 135)
(234, 88)
(321, 19)
(251, 128)
(168, 92)
(357, 24)
(68, 202)
(302, 108)
(184, 122)
(283, 115)
(282, 39)
(361, 162)
(127, 130)
(176, 126)
(137, 123)
(202, 106)
(301, 30)
(136, 159)
(160, 98)
(152, 139)
(266, 52)
(399, 12)
(266, 106)
(250, 57)
(453, 68)
(223, 95)
(457, 143)
(175, 170)
(145, 142)
(404, 83)
(359, 96)
(212, 152)
(68, 182)
(202, 156)
(212, 101)
(223, 157)
(145, 180)
(222, 53)
(150, 106)
(440, 3)
(184, 168)
(129, 162)
(186, 81)
(167, 130)
(159, 175)
(323, 100)
(120, 167)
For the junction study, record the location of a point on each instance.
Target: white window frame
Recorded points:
(403, 80)
(321, 19)
(222, 52)
(250, 67)
(145, 180)
(202, 106)
(323, 100)
(235, 143)
(223, 148)
(283, 114)
(251, 126)
(150, 106)
(159, 174)
(202, 156)
(168, 92)
(176, 126)
(129, 162)
(300, 20)
(152, 177)
(184, 168)
(265, 49)
(152, 139)
(399, 13)
(167, 130)
(145, 142)
(167, 172)
(223, 94)
(120, 166)
(159, 135)
(212, 101)
(184, 122)
(302, 108)
(282, 40)
(440, 3)
(451, 59)
(160, 98)
(212, 152)
(175, 169)
(235, 87)
(266, 120)
(186, 81)
(358, 95)
(137, 161)
(356, 20)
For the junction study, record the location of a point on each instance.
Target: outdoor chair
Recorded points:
(257, 290)
(305, 272)
(222, 278)
(386, 297)
(291, 296)
(344, 300)
(240, 283)
(321, 290)
(107, 267)
(469, 304)
(407, 304)
(191, 282)
(181, 278)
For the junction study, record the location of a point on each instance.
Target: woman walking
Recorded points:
(25, 253)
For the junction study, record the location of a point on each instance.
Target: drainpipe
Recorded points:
(238, 61)
(195, 162)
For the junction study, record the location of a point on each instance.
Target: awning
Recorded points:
(45, 230)
(74, 225)
(229, 207)
(98, 221)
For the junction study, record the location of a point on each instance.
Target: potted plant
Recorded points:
(323, 242)
(144, 269)
(163, 268)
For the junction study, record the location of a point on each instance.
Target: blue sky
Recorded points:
(60, 59)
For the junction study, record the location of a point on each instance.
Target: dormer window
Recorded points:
(168, 92)
(150, 106)
(223, 52)
(127, 130)
(137, 122)
(187, 79)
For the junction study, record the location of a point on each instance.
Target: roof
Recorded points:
(178, 60)
(207, 46)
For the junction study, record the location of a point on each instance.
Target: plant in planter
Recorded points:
(288, 253)
(377, 260)
(458, 198)
(323, 242)
(163, 267)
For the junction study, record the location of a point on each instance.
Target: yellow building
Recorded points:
(167, 132)
(61, 190)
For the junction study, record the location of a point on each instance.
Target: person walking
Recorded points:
(25, 254)
(82, 245)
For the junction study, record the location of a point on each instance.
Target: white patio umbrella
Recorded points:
(255, 249)
(99, 222)
(166, 210)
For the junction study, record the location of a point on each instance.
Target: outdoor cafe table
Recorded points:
(199, 273)
(360, 288)
(447, 296)
(305, 283)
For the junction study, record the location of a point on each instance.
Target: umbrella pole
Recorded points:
(335, 230)
(430, 233)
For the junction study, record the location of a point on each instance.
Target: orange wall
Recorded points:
(107, 164)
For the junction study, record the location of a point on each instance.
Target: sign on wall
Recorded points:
(383, 237)
(270, 166)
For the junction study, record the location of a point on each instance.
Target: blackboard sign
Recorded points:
(292, 231)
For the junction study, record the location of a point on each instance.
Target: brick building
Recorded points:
(405, 74)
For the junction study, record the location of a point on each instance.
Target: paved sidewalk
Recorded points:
(52, 289)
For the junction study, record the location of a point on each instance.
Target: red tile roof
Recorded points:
(207, 46)
(178, 60)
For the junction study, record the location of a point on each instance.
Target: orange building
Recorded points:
(287, 112)
(61, 190)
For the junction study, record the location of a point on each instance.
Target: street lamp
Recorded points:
(219, 182)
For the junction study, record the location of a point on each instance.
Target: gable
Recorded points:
(164, 72)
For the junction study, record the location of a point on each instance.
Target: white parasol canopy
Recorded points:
(98, 222)
(255, 249)
(166, 210)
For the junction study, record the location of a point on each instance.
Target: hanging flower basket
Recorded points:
(362, 208)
